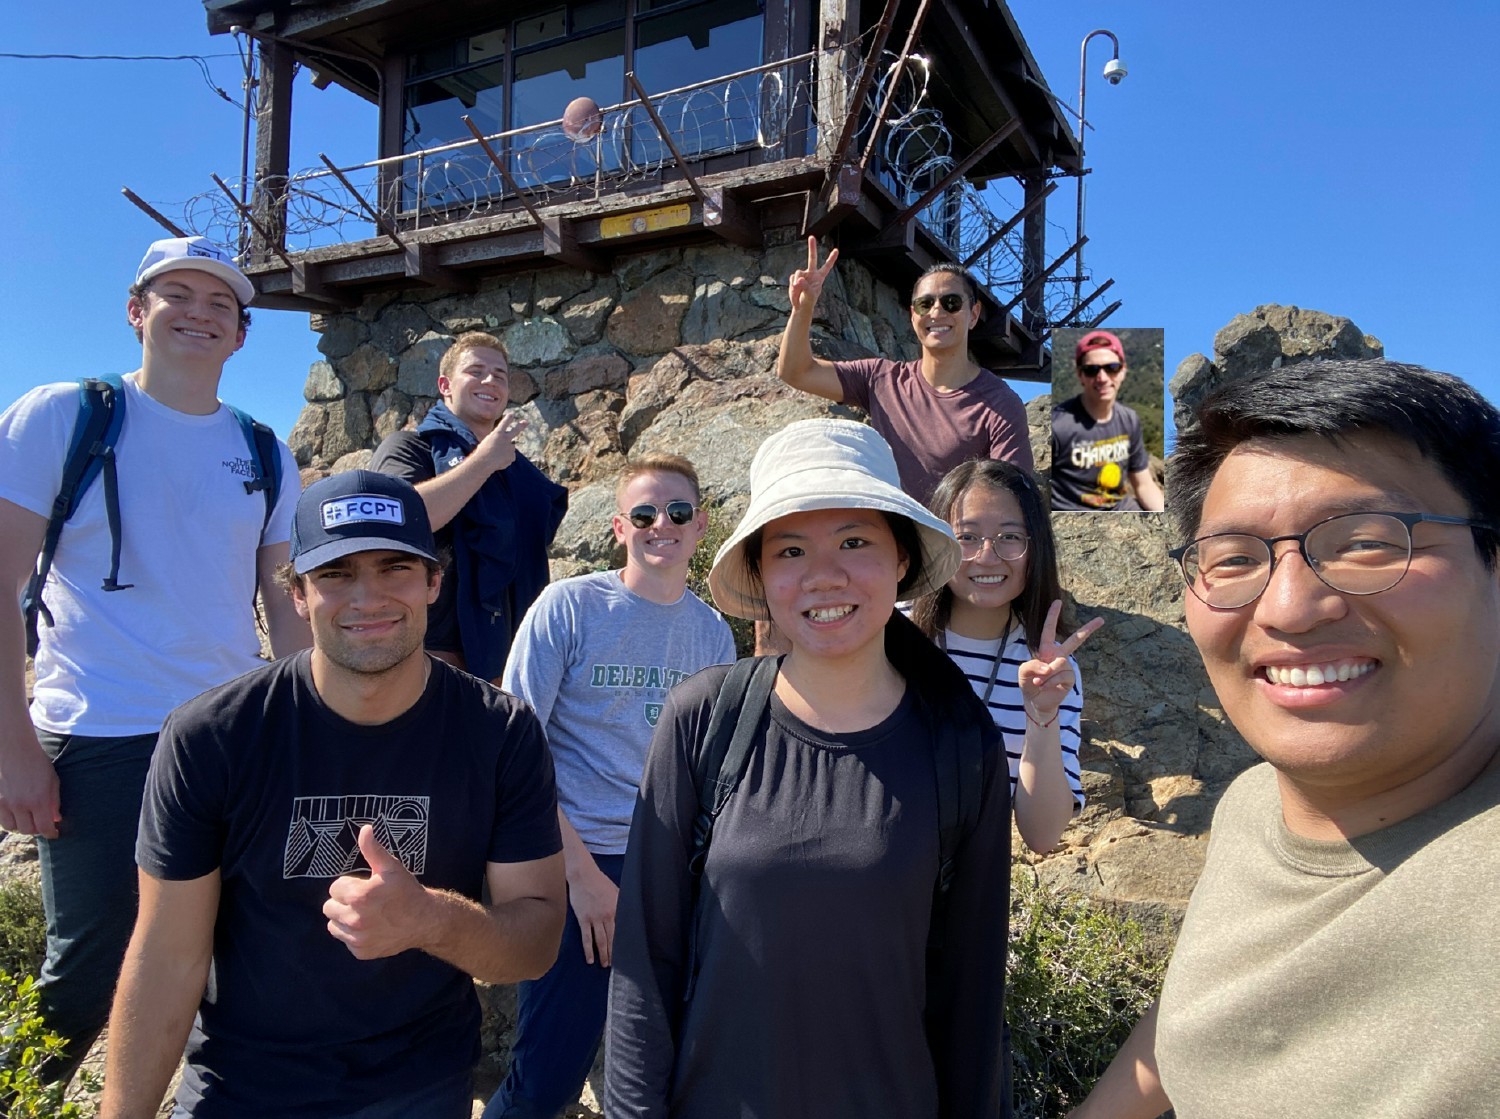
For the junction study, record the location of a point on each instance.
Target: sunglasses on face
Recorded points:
(952, 302)
(1109, 369)
(678, 512)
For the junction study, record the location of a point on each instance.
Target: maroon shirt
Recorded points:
(930, 431)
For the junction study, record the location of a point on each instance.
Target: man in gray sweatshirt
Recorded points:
(595, 657)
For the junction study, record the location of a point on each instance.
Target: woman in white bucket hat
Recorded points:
(842, 951)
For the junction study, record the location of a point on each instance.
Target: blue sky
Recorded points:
(1335, 155)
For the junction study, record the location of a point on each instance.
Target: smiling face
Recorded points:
(830, 578)
(187, 317)
(1407, 681)
(478, 388)
(986, 585)
(1100, 388)
(937, 330)
(368, 611)
(662, 548)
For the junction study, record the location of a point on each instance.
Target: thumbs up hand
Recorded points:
(382, 914)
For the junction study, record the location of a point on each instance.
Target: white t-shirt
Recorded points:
(115, 663)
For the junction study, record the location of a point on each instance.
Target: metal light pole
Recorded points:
(1114, 73)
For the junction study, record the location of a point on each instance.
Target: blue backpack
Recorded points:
(101, 414)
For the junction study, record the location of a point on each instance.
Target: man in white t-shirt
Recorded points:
(122, 641)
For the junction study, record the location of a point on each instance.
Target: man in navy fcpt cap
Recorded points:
(142, 611)
(320, 831)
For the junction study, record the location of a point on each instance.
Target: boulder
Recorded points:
(649, 321)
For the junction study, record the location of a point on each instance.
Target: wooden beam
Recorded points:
(1004, 231)
(1086, 300)
(151, 212)
(967, 39)
(957, 172)
(1104, 314)
(840, 151)
(1036, 282)
(733, 220)
(839, 197)
(245, 212)
(307, 283)
(560, 243)
(890, 91)
(273, 145)
(893, 240)
(421, 264)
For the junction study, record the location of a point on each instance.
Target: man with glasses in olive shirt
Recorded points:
(1338, 954)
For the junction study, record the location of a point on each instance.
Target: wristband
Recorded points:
(1030, 718)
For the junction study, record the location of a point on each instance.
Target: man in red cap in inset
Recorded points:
(1096, 440)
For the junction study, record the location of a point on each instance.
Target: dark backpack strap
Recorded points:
(958, 758)
(736, 715)
(743, 699)
(101, 415)
(265, 457)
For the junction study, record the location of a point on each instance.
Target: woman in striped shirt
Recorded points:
(999, 620)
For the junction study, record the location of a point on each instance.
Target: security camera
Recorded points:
(1114, 71)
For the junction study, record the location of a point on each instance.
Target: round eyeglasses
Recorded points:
(1006, 545)
(1353, 553)
(678, 512)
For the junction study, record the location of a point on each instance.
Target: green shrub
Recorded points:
(1079, 977)
(23, 929)
(25, 1044)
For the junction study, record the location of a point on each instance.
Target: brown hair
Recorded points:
(470, 340)
(658, 462)
(931, 612)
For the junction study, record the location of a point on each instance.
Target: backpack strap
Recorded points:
(743, 699)
(958, 761)
(736, 715)
(264, 455)
(101, 415)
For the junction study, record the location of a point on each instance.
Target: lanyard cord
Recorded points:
(989, 685)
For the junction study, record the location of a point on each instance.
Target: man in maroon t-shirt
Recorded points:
(936, 412)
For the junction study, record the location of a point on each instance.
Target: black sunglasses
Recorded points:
(678, 512)
(952, 302)
(1110, 368)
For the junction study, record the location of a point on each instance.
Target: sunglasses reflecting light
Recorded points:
(1109, 369)
(678, 512)
(952, 302)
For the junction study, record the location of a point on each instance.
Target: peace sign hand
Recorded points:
(806, 284)
(1047, 678)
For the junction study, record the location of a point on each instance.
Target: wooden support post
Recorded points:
(273, 143)
(1033, 252)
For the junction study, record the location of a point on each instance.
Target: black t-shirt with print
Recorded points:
(261, 781)
(1091, 460)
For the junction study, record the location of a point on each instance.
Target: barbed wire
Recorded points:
(751, 111)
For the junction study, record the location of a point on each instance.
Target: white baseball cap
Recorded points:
(200, 254)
